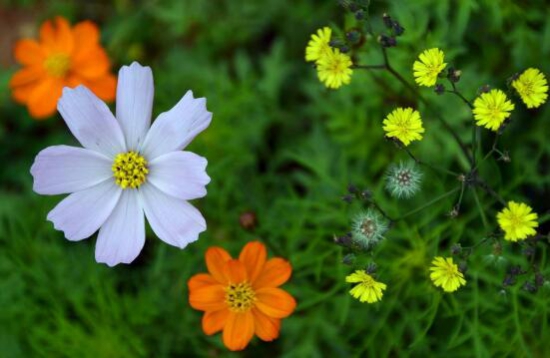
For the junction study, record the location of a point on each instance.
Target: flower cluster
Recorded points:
(333, 66)
(491, 109)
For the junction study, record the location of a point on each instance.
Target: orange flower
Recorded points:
(240, 296)
(62, 57)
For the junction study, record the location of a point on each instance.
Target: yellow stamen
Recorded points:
(130, 170)
(57, 64)
(240, 297)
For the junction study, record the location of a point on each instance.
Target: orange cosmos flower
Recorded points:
(240, 296)
(63, 57)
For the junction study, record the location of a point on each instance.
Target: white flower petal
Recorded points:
(91, 121)
(80, 214)
(62, 169)
(175, 129)
(134, 103)
(180, 174)
(122, 236)
(175, 221)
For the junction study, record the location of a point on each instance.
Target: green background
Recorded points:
(284, 147)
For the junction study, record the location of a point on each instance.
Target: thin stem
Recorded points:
(370, 67)
(483, 185)
(459, 203)
(375, 204)
(457, 93)
(431, 166)
(439, 198)
(493, 150)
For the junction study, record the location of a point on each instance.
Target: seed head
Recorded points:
(368, 228)
(403, 180)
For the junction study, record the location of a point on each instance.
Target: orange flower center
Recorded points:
(239, 297)
(57, 64)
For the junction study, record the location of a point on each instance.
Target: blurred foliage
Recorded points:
(284, 147)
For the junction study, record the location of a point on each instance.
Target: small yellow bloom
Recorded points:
(318, 46)
(367, 289)
(491, 109)
(334, 69)
(518, 221)
(428, 67)
(404, 124)
(445, 274)
(532, 87)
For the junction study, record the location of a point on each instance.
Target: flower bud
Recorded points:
(388, 22)
(453, 74)
(387, 41)
(349, 259)
(456, 249)
(353, 36)
(439, 89)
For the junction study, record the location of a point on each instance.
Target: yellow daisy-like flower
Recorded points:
(491, 109)
(428, 67)
(532, 87)
(518, 221)
(404, 124)
(318, 46)
(367, 289)
(445, 274)
(334, 69)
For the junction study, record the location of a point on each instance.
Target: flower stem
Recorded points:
(439, 198)
(431, 166)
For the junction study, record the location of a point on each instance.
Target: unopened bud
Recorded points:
(349, 259)
(387, 41)
(456, 249)
(439, 89)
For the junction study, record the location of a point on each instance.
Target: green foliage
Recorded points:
(286, 148)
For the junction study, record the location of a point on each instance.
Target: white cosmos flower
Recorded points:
(127, 170)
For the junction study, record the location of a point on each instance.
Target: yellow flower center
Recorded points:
(57, 64)
(130, 170)
(526, 88)
(367, 282)
(240, 297)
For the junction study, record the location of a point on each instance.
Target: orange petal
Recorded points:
(216, 257)
(235, 271)
(28, 52)
(253, 257)
(22, 93)
(86, 38)
(48, 35)
(238, 330)
(276, 272)
(208, 298)
(42, 101)
(201, 280)
(64, 41)
(275, 302)
(27, 75)
(94, 65)
(104, 87)
(214, 321)
(265, 327)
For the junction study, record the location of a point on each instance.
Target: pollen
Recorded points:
(130, 170)
(57, 65)
(240, 297)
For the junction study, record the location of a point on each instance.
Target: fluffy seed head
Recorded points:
(368, 228)
(403, 180)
